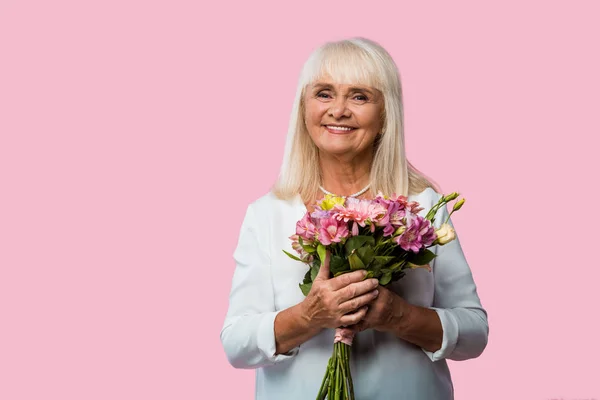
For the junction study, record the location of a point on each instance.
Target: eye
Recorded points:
(361, 97)
(321, 94)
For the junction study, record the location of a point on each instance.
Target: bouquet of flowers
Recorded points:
(384, 236)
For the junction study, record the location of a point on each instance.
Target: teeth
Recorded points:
(339, 128)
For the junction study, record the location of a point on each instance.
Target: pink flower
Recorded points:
(419, 234)
(413, 207)
(304, 255)
(361, 211)
(305, 228)
(332, 230)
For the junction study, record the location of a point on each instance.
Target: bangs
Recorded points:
(344, 63)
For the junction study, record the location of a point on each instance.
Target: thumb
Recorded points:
(324, 269)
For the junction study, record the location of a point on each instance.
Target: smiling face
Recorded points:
(341, 119)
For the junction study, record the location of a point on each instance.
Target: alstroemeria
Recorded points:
(332, 230)
(304, 255)
(397, 240)
(305, 228)
(413, 207)
(392, 209)
(400, 199)
(419, 234)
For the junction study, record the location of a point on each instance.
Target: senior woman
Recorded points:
(346, 137)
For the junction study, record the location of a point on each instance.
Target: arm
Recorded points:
(248, 333)
(292, 328)
(455, 327)
(420, 326)
(331, 303)
(461, 315)
(254, 334)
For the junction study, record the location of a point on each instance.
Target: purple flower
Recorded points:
(419, 234)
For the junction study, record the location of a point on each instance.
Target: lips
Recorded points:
(339, 129)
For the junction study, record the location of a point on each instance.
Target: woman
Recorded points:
(346, 137)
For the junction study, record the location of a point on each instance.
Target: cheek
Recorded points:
(314, 115)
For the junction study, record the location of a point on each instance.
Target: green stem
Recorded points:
(350, 383)
(344, 368)
(331, 373)
(322, 393)
(338, 388)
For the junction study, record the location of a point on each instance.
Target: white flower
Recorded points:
(445, 234)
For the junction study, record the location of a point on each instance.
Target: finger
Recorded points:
(324, 268)
(348, 278)
(357, 302)
(355, 317)
(358, 327)
(356, 289)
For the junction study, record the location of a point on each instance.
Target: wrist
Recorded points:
(304, 319)
(400, 318)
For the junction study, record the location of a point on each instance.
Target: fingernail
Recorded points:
(376, 292)
(364, 272)
(375, 281)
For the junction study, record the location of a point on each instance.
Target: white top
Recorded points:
(265, 281)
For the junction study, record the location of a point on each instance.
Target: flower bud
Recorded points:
(445, 234)
(458, 204)
(451, 196)
(400, 230)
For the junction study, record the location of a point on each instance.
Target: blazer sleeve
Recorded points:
(248, 336)
(464, 320)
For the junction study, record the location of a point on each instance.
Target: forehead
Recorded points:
(343, 66)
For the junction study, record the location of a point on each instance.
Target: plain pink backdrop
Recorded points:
(134, 133)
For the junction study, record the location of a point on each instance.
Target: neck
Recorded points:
(345, 176)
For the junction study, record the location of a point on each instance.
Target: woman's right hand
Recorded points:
(339, 301)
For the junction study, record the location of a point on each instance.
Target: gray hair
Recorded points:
(351, 61)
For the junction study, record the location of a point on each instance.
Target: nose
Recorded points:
(338, 108)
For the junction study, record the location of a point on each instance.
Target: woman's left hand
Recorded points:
(384, 313)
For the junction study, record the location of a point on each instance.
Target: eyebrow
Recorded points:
(351, 88)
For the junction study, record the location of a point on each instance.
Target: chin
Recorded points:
(338, 150)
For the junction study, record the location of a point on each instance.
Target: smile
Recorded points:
(339, 129)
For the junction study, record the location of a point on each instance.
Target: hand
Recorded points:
(384, 312)
(339, 301)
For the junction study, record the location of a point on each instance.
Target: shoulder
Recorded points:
(426, 198)
(269, 204)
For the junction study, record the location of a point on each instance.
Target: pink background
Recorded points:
(134, 134)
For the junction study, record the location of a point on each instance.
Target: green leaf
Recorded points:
(321, 251)
(307, 277)
(422, 258)
(358, 241)
(292, 256)
(355, 262)
(305, 288)
(366, 254)
(385, 279)
(308, 249)
(397, 266)
(383, 260)
(338, 264)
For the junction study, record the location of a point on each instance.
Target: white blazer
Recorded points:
(265, 281)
